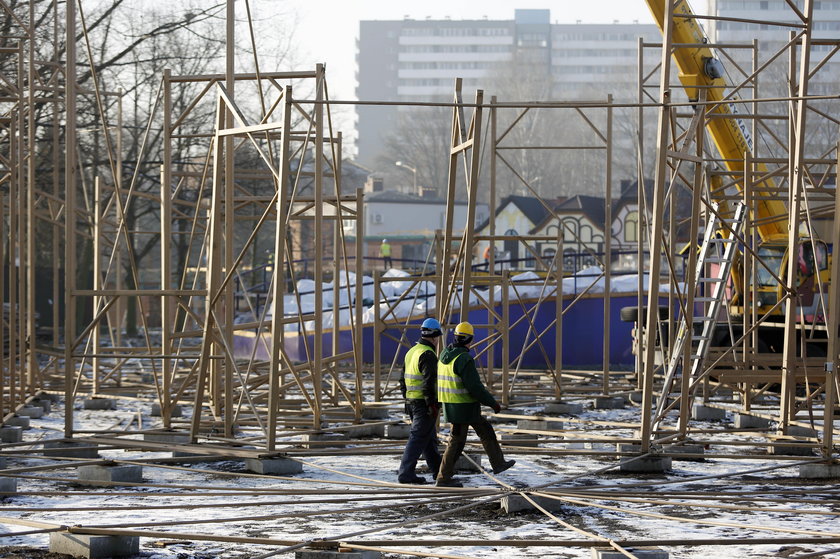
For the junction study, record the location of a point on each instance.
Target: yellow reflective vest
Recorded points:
(451, 389)
(413, 376)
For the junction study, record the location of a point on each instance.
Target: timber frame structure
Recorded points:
(271, 166)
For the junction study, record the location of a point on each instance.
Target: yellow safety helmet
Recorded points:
(464, 329)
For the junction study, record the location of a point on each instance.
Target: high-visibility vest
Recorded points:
(385, 249)
(413, 376)
(451, 389)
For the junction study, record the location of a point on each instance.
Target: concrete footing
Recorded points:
(797, 431)
(365, 430)
(93, 547)
(517, 503)
(72, 449)
(747, 421)
(278, 466)
(325, 440)
(652, 464)
(175, 437)
(8, 485)
(100, 404)
(539, 425)
(706, 413)
(343, 554)
(694, 449)
(122, 473)
(376, 413)
(174, 411)
(32, 412)
(790, 449)
(11, 434)
(819, 471)
(640, 552)
(397, 431)
(464, 465)
(43, 403)
(563, 407)
(18, 421)
(520, 439)
(610, 402)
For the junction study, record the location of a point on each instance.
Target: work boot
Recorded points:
(416, 480)
(506, 465)
(450, 482)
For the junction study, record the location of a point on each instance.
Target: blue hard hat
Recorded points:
(430, 328)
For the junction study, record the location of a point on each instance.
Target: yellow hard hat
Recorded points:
(464, 329)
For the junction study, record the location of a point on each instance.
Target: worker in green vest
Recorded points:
(419, 388)
(461, 392)
(385, 253)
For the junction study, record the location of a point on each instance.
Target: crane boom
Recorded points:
(729, 133)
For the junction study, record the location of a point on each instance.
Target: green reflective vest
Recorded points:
(413, 376)
(451, 389)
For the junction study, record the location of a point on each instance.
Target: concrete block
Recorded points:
(147, 378)
(797, 431)
(54, 398)
(686, 449)
(819, 471)
(11, 434)
(575, 445)
(706, 413)
(747, 421)
(71, 449)
(100, 404)
(2, 462)
(43, 403)
(175, 437)
(464, 465)
(520, 439)
(610, 402)
(123, 473)
(516, 503)
(636, 396)
(790, 450)
(365, 430)
(279, 466)
(539, 425)
(397, 431)
(562, 407)
(640, 552)
(92, 547)
(343, 554)
(652, 464)
(375, 413)
(326, 440)
(32, 412)
(8, 485)
(19, 421)
(174, 411)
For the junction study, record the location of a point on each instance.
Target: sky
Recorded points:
(327, 29)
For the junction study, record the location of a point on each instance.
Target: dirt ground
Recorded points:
(17, 552)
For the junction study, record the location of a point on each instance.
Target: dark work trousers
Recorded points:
(422, 440)
(458, 439)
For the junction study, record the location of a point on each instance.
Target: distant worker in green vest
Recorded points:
(419, 388)
(385, 253)
(461, 392)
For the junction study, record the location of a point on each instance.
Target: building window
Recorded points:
(631, 227)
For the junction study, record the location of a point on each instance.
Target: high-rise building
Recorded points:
(418, 60)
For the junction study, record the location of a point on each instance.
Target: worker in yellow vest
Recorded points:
(385, 253)
(419, 388)
(461, 393)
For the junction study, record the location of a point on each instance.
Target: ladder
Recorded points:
(714, 250)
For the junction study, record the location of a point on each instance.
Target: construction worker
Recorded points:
(419, 388)
(461, 392)
(385, 253)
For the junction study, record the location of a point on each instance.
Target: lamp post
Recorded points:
(410, 168)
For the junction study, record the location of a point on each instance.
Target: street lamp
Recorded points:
(410, 168)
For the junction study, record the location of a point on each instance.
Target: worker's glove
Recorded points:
(497, 407)
(408, 409)
(434, 409)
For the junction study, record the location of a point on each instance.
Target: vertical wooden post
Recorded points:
(797, 175)
(69, 218)
(358, 344)
(833, 323)
(166, 301)
(656, 227)
(98, 232)
(229, 216)
(605, 381)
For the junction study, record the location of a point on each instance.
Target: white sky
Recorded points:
(327, 29)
